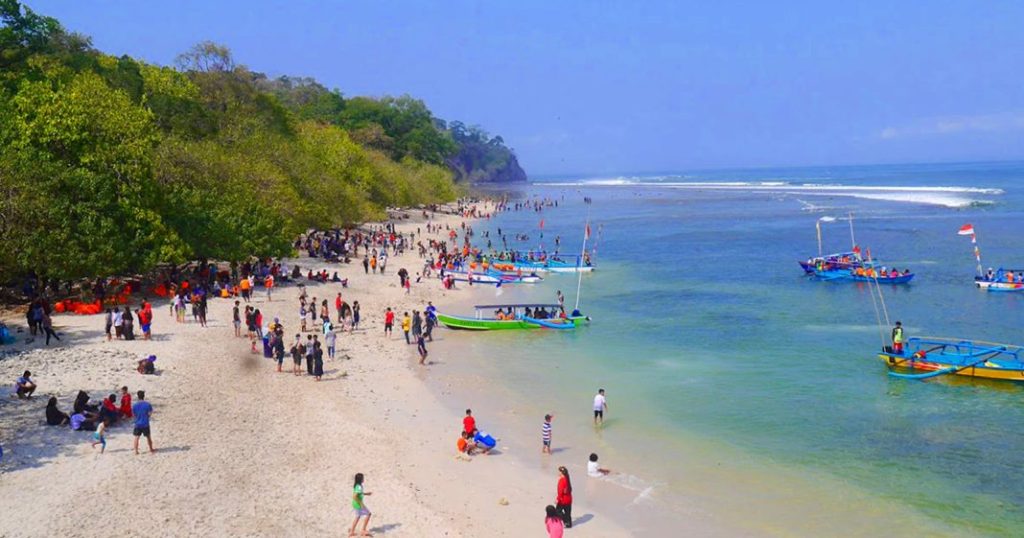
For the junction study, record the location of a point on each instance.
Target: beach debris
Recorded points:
(503, 501)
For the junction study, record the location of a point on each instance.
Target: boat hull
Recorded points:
(999, 286)
(490, 324)
(848, 276)
(987, 370)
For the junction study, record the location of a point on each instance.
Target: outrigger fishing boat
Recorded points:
(521, 316)
(1002, 280)
(840, 260)
(999, 281)
(572, 263)
(493, 277)
(937, 356)
(865, 273)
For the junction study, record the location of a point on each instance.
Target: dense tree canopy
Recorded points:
(111, 165)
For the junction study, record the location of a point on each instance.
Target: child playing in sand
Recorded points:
(359, 507)
(465, 447)
(100, 437)
(593, 470)
(126, 403)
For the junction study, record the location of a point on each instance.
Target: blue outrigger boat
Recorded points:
(939, 356)
(1003, 280)
(561, 263)
(853, 275)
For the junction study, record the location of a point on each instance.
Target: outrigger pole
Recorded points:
(583, 253)
(853, 241)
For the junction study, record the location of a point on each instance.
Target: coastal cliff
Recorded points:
(481, 158)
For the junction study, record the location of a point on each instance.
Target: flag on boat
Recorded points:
(586, 232)
(966, 229)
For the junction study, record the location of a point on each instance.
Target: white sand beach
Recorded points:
(245, 451)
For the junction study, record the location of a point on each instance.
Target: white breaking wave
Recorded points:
(945, 196)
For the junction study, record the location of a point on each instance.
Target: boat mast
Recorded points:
(583, 252)
(817, 224)
(853, 240)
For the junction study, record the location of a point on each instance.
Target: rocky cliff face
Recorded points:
(503, 170)
(482, 159)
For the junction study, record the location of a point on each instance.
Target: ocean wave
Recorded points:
(955, 197)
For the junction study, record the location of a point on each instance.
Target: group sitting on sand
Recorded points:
(98, 418)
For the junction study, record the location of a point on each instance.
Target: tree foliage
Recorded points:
(112, 165)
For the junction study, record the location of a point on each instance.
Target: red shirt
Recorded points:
(564, 493)
(126, 405)
(389, 317)
(469, 424)
(337, 303)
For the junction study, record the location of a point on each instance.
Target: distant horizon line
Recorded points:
(554, 175)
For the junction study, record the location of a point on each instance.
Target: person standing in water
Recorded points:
(359, 506)
(600, 406)
(897, 338)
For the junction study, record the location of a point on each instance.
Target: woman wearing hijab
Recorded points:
(54, 416)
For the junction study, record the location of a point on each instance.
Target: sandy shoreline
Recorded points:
(245, 451)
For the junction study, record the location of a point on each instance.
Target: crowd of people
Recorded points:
(321, 323)
(99, 417)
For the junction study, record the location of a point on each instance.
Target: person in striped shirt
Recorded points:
(546, 434)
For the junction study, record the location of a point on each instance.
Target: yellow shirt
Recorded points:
(406, 323)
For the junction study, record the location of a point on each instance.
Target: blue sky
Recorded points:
(616, 87)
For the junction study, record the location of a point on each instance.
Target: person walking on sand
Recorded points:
(389, 321)
(406, 327)
(330, 339)
(99, 437)
(553, 522)
(563, 497)
(417, 325)
(545, 434)
(142, 411)
(421, 346)
(359, 506)
(47, 324)
(600, 406)
(355, 315)
(236, 319)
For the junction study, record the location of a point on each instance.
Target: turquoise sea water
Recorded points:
(737, 383)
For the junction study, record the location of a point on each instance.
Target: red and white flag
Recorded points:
(966, 229)
(586, 233)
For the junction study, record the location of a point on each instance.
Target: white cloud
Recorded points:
(1002, 122)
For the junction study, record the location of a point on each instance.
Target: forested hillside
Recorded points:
(110, 164)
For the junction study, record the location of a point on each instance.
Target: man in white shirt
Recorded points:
(600, 406)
